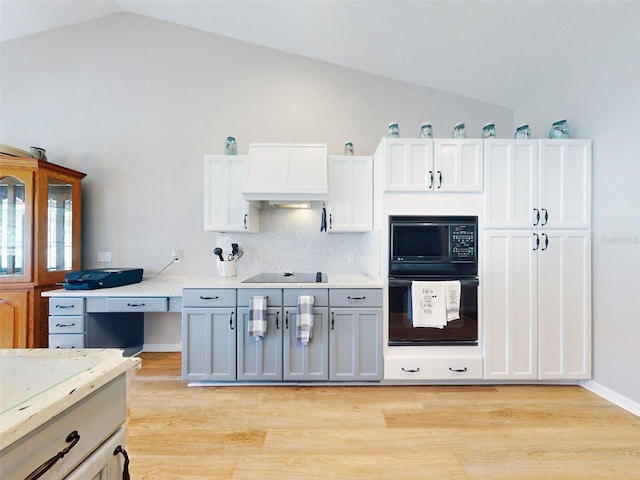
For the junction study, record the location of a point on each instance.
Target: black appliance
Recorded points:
(433, 248)
(101, 278)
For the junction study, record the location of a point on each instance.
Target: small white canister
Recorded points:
(226, 269)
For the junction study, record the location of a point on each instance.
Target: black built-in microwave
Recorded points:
(433, 246)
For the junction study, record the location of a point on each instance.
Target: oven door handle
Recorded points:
(406, 282)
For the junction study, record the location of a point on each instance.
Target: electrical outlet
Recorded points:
(351, 258)
(176, 255)
(103, 257)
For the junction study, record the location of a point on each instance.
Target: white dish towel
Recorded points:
(258, 317)
(304, 325)
(434, 304)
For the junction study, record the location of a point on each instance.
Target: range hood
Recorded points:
(284, 174)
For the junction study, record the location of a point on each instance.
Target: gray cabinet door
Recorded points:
(355, 344)
(209, 344)
(311, 361)
(260, 359)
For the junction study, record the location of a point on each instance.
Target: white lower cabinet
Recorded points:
(433, 368)
(106, 463)
(537, 304)
(82, 430)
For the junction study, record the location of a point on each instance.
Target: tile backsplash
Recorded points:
(291, 240)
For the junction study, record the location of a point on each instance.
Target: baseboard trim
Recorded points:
(611, 396)
(162, 347)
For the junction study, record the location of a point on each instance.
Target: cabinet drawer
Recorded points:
(67, 340)
(321, 296)
(66, 306)
(355, 297)
(209, 297)
(66, 324)
(274, 294)
(137, 304)
(438, 368)
(95, 418)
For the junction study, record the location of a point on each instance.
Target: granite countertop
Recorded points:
(171, 286)
(38, 384)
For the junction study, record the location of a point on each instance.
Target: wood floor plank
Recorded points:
(515, 432)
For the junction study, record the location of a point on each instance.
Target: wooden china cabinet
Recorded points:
(40, 215)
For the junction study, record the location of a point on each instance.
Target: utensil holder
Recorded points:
(226, 269)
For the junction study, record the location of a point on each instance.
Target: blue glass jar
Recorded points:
(393, 131)
(459, 130)
(426, 131)
(230, 146)
(348, 148)
(523, 132)
(489, 130)
(560, 129)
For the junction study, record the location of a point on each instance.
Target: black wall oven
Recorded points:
(432, 249)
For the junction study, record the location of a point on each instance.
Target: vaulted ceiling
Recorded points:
(495, 51)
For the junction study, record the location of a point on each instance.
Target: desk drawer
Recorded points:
(66, 306)
(66, 324)
(355, 297)
(437, 368)
(137, 304)
(209, 297)
(67, 340)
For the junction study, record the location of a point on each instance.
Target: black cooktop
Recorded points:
(287, 277)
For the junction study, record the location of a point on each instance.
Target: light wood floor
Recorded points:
(389, 432)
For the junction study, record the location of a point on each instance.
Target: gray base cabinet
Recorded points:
(355, 343)
(306, 362)
(355, 335)
(345, 344)
(260, 358)
(208, 344)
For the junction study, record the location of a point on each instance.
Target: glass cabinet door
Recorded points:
(15, 228)
(59, 225)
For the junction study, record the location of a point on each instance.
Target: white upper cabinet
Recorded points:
(350, 202)
(537, 183)
(564, 189)
(280, 172)
(224, 208)
(458, 165)
(427, 165)
(408, 164)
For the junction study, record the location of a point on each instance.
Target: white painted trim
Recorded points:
(611, 396)
(162, 347)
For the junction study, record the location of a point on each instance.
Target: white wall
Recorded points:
(600, 97)
(135, 103)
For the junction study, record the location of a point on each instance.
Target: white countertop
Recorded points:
(38, 384)
(171, 286)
